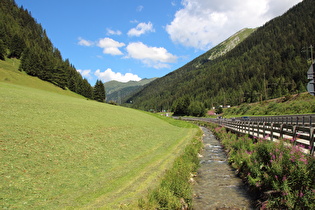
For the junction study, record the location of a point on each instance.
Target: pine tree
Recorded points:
(2, 50)
(181, 106)
(17, 46)
(88, 90)
(99, 91)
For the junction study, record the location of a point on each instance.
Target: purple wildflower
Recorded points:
(249, 152)
(304, 160)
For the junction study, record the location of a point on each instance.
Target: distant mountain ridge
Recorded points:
(117, 91)
(222, 48)
(227, 45)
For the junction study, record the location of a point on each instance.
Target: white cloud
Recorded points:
(156, 57)
(110, 46)
(140, 8)
(109, 75)
(84, 42)
(277, 8)
(140, 29)
(85, 73)
(112, 32)
(202, 24)
(134, 21)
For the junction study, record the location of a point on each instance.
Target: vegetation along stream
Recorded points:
(217, 186)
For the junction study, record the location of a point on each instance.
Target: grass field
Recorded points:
(59, 150)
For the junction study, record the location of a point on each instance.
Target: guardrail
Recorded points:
(297, 128)
(303, 120)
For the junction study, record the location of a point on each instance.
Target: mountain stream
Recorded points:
(216, 185)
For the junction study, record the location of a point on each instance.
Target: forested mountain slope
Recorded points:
(23, 38)
(270, 63)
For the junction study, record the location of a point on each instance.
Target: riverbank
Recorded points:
(216, 184)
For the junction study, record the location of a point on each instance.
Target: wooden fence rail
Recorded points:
(297, 128)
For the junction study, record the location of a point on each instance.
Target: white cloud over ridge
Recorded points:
(110, 46)
(156, 57)
(202, 24)
(140, 29)
(109, 75)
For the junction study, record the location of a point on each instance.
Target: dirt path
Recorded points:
(216, 185)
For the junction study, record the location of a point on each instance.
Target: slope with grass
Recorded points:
(302, 103)
(59, 150)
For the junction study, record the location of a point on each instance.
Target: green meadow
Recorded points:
(59, 150)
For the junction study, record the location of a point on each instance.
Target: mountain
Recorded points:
(271, 62)
(222, 48)
(117, 91)
(227, 45)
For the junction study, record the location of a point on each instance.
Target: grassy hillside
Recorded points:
(302, 103)
(227, 45)
(60, 150)
(9, 73)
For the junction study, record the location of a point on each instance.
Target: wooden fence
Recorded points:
(297, 128)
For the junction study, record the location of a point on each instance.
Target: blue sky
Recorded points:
(127, 40)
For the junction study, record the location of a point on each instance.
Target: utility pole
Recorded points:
(309, 55)
(311, 47)
(311, 74)
(224, 100)
(119, 98)
(265, 88)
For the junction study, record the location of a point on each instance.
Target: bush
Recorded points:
(197, 109)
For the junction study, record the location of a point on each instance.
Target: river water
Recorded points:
(216, 185)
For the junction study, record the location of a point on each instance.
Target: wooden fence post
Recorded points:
(248, 127)
(281, 131)
(271, 131)
(264, 130)
(311, 140)
(294, 134)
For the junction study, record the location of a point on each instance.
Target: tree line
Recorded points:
(23, 38)
(270, 63)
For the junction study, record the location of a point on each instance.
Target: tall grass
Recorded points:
(68, 152)
(175, 190)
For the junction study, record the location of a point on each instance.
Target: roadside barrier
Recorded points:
(299, 129)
